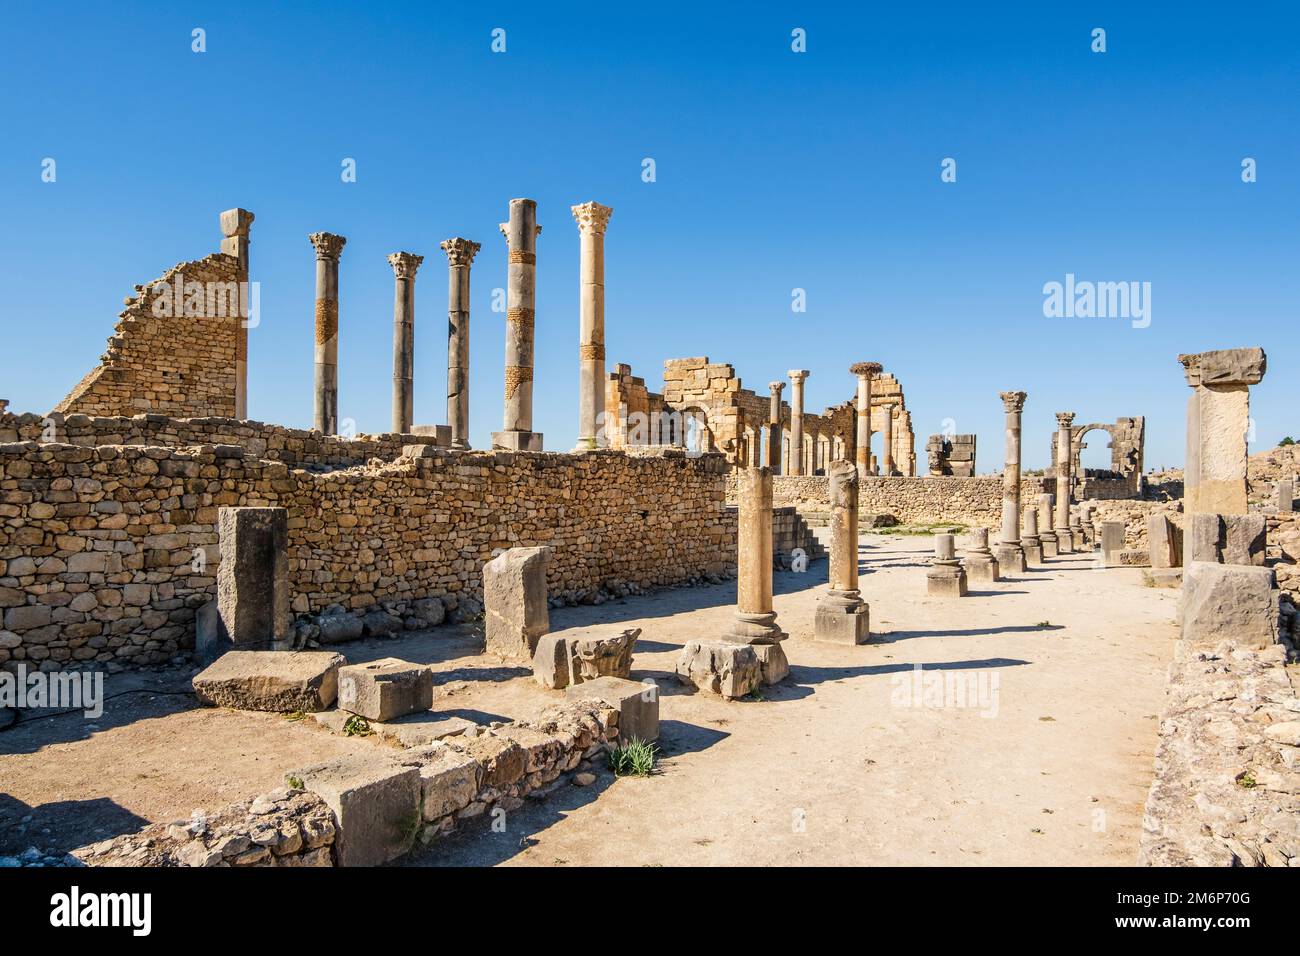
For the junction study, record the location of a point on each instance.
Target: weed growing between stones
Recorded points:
(636, 758)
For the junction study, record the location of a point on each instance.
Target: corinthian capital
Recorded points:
(592, 217)
(460, 252)
(405, 264)
(797, 375)
(328, 245)
(775, 388)
(1013, 401)
(1064, 419)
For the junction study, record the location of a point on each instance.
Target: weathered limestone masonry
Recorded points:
(1011, 557)
(979, 561)
(405, 265)
(593, 219)
(946, 577)
(107, 552)
(1217, 415)
(292, 446)
(1030, 543)
(774, 439)
(1127, 449)
(521, 232)
(842, 616)
(460, 256)
(951, 455)
(329, 248)
(1064, 482)
(1046, 525)
(887, 443)
(864, 372)
(797, 377)
(180, 346)
(252, 605)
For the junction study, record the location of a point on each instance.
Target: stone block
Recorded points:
(981, 567)
(1112, 542)
(637, 703)
(1010, 557)
(1225, 367)
(1284, 495)
(946, 581)
(501, 760)
(517, 441)
(376, 803)
(772, 662)
(718, 667)
(514, 602)
(336, 628)
(1166, 577)
(1134, 558)
(449, 779)
(584, 654)
(1165, 542)
(1228, 538)
(385, 689)
(278, 681)
(837, 623)
(1229, 602)
(253, 577)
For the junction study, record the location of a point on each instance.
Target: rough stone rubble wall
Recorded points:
(107, 552)
(295, 447)
(181, 365)
(1227, 783)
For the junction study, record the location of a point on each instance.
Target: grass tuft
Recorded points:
(635, 758)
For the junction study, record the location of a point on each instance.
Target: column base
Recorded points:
(1064, 542)
(516, 441)
(772, 662)
(754, 629)
(1011, 557)
(841, 620)
(441, 434)
(945, 580)
(1033, 549)
(1049, 542)
(982, 567)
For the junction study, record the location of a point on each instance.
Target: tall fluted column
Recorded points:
(887, 443)
(1064, 481)
(797, 377)
(521, 234)
(592, 220)
(864, 371)
(774, 428)
(329, 248)
(1011, 556)
(405, 265)
(842, 616)
(460, 256)
(755, 621)
(235, 224)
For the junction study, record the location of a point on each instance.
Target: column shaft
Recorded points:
(796, 461)
(329, 248)
(460, 256)
(774, 428)
(404, 266)
(592, 219)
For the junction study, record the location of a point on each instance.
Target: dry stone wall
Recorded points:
(107, 552)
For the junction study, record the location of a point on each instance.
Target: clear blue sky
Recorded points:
(775, 170)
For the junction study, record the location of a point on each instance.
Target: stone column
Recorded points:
(329, 248)
(460, 256)
(521, 234)
(774, 428)
(251, 610)
(592, 220)
(1064, 481)
(1047, 534)
(864, 371)
(842, 616)
(1217, 419)
(1010, 554)
(235, 224)
(1029, 540)
(979, 561)
(887, 443)
(755, 621)
(797, 377)
(405, 265)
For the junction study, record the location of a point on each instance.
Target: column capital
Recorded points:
(328, 245)
(460, 252)
(1014, 401)
(592, 217)
(775, 387)
(1064, 419)
(797, 375)
(405, 264)
(866, 369)
(236, 222)
(1225, 367)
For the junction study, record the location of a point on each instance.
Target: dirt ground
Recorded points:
(855, 759)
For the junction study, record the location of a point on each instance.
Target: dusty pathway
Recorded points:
(834, 769)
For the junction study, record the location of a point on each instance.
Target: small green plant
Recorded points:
(295, 715)
(635, 758)
(1044, 623)
(1288, 440)
(356, 726)
(756, 694)
(294, 783)
(1247, 780)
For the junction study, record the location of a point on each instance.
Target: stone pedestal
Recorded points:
(864, 372)
(235, 225)
(592, 219)
(842, 616)
(1011, 556)
(405, 265)
(1218, 415)
(329, 248)
(515, 611)
(1164, 542)
(253, 599)
(774, 428)
(796, 462)
(946, 576)
(521, 233)
(1047, 535)
(978, 560)
(1284, 496)
(460, 257)
(1112, 543)
(1029, 540)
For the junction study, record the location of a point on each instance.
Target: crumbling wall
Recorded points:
(174, 348)
(107, 552)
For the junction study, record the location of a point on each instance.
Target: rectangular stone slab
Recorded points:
(278, 681)
(376, 802)
(637, 704)
(385, 689)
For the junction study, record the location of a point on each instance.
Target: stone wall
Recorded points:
(107, 552)
(172, 354)
(297, 448)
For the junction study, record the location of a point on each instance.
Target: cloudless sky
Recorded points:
(775, 170)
